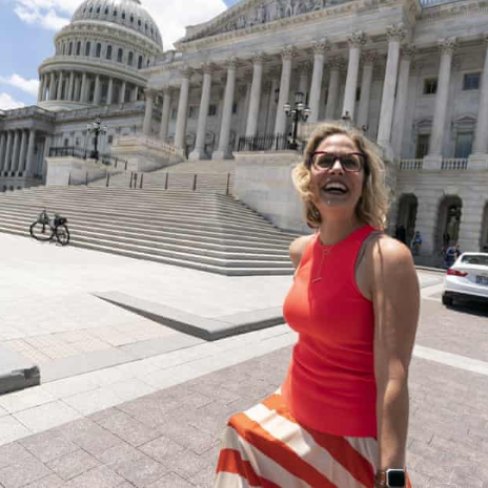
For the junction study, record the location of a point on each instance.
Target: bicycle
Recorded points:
(44, 229)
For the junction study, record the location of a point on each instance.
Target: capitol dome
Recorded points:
(100, 56)
(127, 13)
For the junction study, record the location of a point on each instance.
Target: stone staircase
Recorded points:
(207, 176)
(205, 231)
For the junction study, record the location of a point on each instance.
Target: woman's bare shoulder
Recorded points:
(297, 247)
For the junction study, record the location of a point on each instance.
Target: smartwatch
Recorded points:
(392, 478)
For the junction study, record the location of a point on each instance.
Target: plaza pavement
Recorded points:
(128, 402)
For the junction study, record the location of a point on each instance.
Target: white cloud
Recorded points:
(171, 16)
(7, 102)
(28, 86)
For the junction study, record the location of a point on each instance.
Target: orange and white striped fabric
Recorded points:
(265, 447)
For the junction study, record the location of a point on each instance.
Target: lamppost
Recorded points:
(97, 129)
(299, 112)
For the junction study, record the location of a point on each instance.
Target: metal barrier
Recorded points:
(268, 142)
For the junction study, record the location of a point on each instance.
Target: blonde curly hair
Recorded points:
(373, 205)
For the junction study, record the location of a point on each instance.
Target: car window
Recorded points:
(475, 259)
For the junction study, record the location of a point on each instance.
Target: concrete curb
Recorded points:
(209, 329)
(16, 372)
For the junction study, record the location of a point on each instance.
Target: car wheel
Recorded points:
(447, 301)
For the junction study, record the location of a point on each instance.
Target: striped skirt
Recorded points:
(265, 447)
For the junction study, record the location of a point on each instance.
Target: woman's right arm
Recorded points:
(297, 247)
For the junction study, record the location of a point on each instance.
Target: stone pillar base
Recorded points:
(197, 155)
(222, 155)
(478, 162)
(432, 162)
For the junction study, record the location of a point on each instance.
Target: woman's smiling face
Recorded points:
(336, 187)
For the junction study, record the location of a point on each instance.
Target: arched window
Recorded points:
(120, 53)
(123, 15)
(131, 19)
(139, 23)
(87, 48)
(98, 10)
(115, 13)
(70, 51)
(98, 50)
(139, 64)
(131, 58)
(109, 52)
(78, 48)
(106, 11)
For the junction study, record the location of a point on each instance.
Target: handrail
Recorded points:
(454, 163)
(267, 142)
(411, 164)
(78, 152)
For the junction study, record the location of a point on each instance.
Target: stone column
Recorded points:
(356, 40)
(222, 151)
(319, 49)
(23, 149)
(8, 151)
(110, 91)
(287, 57)
(272, 101)
(83, 91)
(3, 140)
(163, 131)
(335, 65)
(255, 101)
(41, 88)
(146, 125)
(181, 117)
(367, 78)
(59, 95)
(77, 94)
(52, 95)
(199, 151)
(395, 35)
(135, 93)
(15, 152)
(70, 96)
(30, 153)
(401, 100)
(434, 158)
(96, 96)
(122, 92)
(480, 145)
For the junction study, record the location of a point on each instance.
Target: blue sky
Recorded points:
(27, 29)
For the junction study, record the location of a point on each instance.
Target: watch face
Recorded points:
(395, 478)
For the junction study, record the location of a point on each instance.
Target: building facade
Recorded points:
(96, 71)
(413, 75)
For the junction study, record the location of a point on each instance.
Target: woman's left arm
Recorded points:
(395, 295)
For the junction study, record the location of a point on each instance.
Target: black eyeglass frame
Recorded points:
(339, 157)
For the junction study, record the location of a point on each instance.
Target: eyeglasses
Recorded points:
(352, 162)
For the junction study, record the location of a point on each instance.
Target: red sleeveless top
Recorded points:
(330, 385)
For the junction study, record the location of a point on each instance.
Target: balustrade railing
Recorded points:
(267, 142)
(78, 152)
(454, 163)
(411, 164)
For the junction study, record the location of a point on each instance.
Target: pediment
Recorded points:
(251, 13)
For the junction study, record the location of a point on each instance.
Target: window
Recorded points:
(87, 48)
(471, 81)
(78, 48)
(174, 113)
(66, 143)
(106, 11)
(422, 145)
(192, 112)
(132, 18)
(430, 86)
(131, 59)
(139, 64)
(123, 15)
(212, 110)
(98, 50)
(120, 53)
(358, 93)
(98, 10)
(234, 108)
(109, 52)
(110, 139)
(70, 50)
(115, 13)
(464, 144)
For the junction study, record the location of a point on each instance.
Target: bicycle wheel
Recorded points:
(62, 234)
(40, 231)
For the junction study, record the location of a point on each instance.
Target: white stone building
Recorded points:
(413, 75)
(96, 71)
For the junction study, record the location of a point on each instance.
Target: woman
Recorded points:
(340, 419)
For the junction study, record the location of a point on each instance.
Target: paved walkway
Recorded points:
(153, 418)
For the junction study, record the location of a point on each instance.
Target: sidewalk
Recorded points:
(128, 402)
